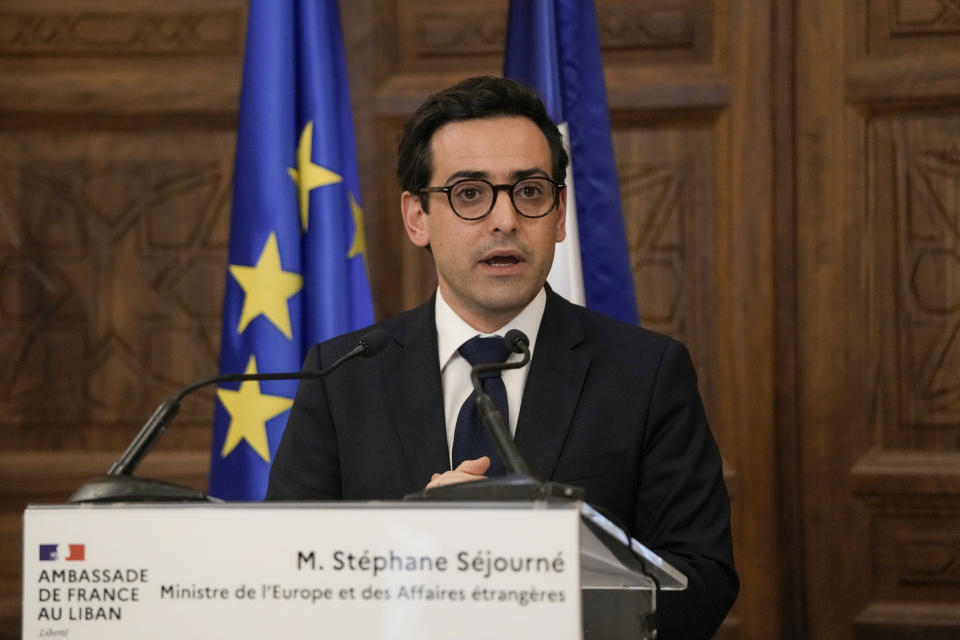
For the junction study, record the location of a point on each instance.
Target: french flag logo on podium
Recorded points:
(72, 552)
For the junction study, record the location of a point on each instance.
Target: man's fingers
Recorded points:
(452, 477)
(476, 467)
(466, 471)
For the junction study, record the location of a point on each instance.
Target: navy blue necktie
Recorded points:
(471, 440)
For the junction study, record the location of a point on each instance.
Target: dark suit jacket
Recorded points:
(607, 406)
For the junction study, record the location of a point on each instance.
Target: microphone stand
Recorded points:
(120, 485)
(519, 483)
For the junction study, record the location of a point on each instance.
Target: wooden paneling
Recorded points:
(103, 57)
(906, 27)
(104, 30)
(914, 165)
(667, 191)
(644, 33)
(112, 279)
(117, 127)
(694, 144)
(878, 272)
(790, 173)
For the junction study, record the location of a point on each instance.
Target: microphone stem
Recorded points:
(493, 419)
(146, 438)
(243, 377)
(151, 431)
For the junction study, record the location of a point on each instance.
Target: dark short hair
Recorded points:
(471, 99)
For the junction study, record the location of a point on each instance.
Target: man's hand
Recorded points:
(465, 472)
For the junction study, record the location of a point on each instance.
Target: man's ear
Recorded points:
(562, 216)
(416, 221)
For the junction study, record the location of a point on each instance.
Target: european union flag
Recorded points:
(552, 45)
(297, 271)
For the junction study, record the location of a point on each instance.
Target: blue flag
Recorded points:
(552, 45)
(297, 272)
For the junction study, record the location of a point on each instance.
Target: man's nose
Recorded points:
(503, 217)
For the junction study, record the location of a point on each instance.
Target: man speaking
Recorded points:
(606, 406)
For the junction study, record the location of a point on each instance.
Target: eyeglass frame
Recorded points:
(497, 188)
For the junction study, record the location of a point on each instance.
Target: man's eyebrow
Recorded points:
(519, 174)
(528, 173)
(460, 175)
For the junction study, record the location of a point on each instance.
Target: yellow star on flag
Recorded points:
(249, 411)
(308, 175)
(267, 288)
(359, 237)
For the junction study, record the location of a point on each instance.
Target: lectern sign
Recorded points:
(389, 570)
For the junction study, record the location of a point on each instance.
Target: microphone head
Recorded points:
(516, 341)
(373, 342)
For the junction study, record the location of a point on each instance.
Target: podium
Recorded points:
(387, 570)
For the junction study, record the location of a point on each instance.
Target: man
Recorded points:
(603, 405)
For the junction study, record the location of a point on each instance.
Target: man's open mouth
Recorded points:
(502, 261)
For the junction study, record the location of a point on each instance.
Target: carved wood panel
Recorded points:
(916, 219)
(117, 126)
(168, 29)
(911, 378)
(879, 273)
(912, 26)
(112, 279)
(666, 189)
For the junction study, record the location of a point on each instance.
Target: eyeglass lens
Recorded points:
(532, 197)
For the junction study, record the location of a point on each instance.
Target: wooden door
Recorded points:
(878, 294)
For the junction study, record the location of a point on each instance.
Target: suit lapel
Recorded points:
(413, 375)
(553, 387)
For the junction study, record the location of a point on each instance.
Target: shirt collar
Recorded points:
(453, 331)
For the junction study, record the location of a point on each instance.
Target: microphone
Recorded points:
(104, 488)
(518, 342)
(513, 462)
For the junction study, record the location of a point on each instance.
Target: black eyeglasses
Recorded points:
(474, 198)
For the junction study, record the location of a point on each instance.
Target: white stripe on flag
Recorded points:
(566, 275)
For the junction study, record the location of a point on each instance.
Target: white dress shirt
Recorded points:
(452, 332)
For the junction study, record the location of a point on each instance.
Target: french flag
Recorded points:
(553, 46)
(72, 552)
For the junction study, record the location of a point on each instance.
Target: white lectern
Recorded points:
(358, 570)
